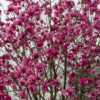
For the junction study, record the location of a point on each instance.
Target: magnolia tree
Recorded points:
(50, 50)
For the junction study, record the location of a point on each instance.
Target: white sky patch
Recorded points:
(98, 6)
(3, 7)
(6, 3)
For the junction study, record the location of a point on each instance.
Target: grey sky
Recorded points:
(6, 3)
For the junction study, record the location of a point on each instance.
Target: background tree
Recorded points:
(51, 50)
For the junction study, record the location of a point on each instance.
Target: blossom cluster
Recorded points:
(50, 48)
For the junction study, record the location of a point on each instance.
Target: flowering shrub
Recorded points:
(50, 50)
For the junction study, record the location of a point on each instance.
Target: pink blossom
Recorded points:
(22, 94)
(69, 92)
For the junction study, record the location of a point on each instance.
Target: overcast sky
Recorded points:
(6, 3)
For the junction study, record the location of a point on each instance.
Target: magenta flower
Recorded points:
(69, 92)
(82, 81)
(50, 49)
(35, 55)
(22, 94)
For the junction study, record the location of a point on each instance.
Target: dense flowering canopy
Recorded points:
(51, 50)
